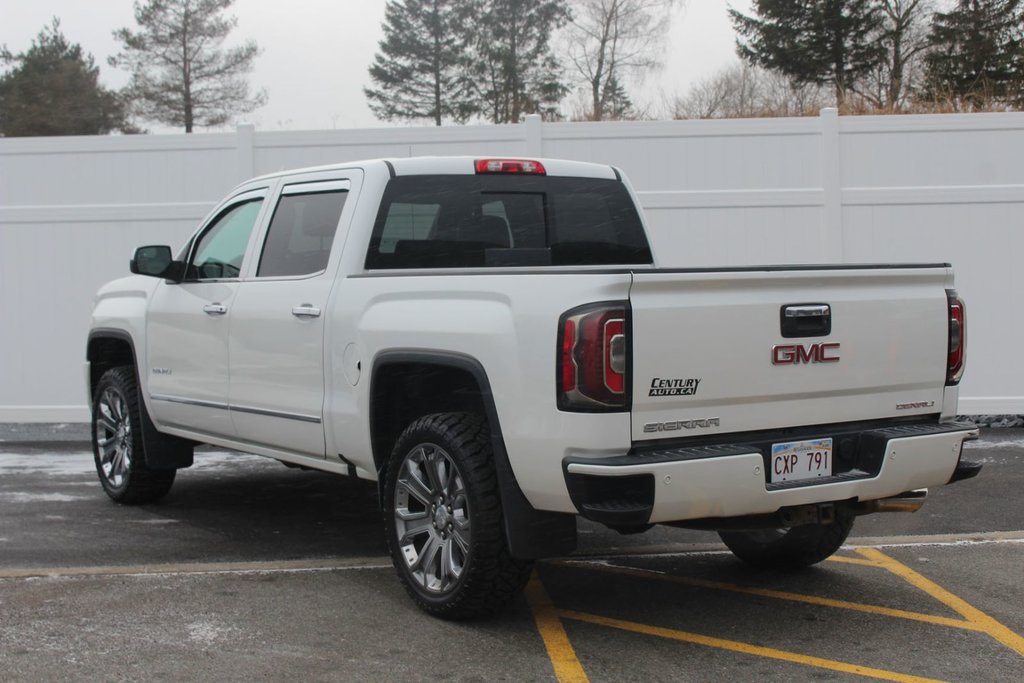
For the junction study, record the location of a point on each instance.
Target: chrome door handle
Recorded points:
(306, 311)
(215, 309)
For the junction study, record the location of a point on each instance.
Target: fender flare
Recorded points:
(531, 533)
(161, 451)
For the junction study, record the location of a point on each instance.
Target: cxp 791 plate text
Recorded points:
(796, 460)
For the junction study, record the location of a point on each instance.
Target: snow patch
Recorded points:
(22, 497)
(207, 632)
(225, 460)
(55, 465)
(78, 464)
(982, 443)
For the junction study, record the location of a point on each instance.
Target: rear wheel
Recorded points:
(793, 548)
(443, 517)
(117, 441)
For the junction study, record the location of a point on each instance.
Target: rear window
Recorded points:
(501, 221)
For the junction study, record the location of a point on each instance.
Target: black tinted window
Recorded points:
(301, 234)
(492, 220)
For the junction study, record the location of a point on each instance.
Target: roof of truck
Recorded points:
(458, 165)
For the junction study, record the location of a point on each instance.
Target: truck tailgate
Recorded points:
(735, 351)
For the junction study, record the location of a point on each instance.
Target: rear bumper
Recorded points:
(675, 484)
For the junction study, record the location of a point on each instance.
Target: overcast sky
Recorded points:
(316, 52)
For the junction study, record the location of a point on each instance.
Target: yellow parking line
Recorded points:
(842, 559)
(744, 648)
(792, 597)
(982, 621)
(560, 651)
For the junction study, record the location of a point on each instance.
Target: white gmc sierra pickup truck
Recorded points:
(493, 342)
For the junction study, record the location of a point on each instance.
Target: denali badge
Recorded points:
(676, 425)
(795, 354)
(914, 404)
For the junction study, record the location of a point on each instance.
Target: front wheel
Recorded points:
(794, 548)
(443, 518)
(117, 441)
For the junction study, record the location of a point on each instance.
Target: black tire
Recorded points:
(447, 538)
(793, 548)
(117, 441)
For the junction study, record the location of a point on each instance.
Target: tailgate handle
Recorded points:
(806, 320)
(806, 311)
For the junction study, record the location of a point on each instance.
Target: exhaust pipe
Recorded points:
(910, 501)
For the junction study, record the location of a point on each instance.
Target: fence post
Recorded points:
(246, 134)
(534, 132)
(831, 183)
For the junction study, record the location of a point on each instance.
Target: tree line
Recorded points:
(868, 56)
(500, 60)
(181, 74)
(455, 61)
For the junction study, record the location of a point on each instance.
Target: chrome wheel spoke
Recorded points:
(461, 538)
(116, 407)
(427, 556)
(108, 451)
(416, 488)
(433, 465)
(451, 562)
(112, 432)
(412, 531)
(106, 423)
(431, 516)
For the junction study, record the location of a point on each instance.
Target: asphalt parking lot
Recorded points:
(249, 570)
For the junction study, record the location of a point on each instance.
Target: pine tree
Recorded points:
(517, 72)
(975, 56)
(832, 42)
(420, 71)
(180, 73)
(53, 89)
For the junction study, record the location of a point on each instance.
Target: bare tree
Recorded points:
(905, 39)
(610, 41)
(745, 91)
(180, 73)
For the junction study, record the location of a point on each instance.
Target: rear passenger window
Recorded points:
(494, 221)
(302, 230)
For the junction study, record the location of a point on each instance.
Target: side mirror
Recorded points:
(155, 261)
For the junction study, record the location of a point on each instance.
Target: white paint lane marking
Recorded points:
(698, 549)
(284, 566)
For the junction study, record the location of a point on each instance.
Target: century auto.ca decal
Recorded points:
(674, 387)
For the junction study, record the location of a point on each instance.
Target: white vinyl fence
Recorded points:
(717, 193)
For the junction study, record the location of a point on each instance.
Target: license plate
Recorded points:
(797, 460)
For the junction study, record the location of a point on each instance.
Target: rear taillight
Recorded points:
(518, 166)
(957, 338)
(593, 358)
